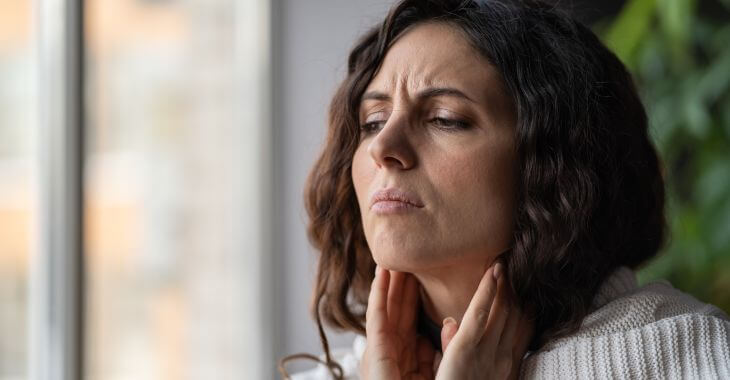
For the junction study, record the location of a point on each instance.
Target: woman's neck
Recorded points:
(447, 291)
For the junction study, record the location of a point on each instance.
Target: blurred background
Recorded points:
(196, 123)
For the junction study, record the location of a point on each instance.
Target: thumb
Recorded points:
(450, 326)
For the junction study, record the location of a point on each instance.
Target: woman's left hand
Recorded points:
(492, 338)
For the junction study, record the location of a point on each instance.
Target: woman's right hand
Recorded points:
(394, 349)
(493, 336)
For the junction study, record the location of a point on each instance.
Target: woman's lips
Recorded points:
(386, 207)
(394, 200)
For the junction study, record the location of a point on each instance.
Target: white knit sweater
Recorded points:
(652, 332)
(648, 332)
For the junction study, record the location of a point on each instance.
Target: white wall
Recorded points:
(311, 39)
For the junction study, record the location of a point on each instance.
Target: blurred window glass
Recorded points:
(16, 183)
(168, 287)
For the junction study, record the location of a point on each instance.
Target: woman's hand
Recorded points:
(492, 338)
(394, 350)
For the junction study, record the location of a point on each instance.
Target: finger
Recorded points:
(475, 319)
(437, 361)
(409, 307)
(514, 319)
(499, 312)
(525, 328)
(450, 326)
(425, 356)
(376, 314)
(519, 349)
(363, 367)
(395, 296)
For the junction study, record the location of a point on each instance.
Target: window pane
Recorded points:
(168, 282)
(16, 185)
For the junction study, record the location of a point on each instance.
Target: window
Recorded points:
(17, 191)
(168, 200)
(158, 111)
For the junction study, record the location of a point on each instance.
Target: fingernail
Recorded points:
(497, 271)
(448, 321)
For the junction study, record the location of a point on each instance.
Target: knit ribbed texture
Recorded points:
(652, 332)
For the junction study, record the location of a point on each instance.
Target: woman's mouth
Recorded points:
(394, 200)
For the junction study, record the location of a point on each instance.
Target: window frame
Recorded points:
(57, 261)
(57, 270)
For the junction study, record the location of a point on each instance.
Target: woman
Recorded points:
(492, 159)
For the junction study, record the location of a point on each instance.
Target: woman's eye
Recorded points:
(372, 126)
(440, 122)
(449, 123)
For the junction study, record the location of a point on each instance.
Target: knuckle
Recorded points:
(481, 316)
(491, 291)
(462, 347)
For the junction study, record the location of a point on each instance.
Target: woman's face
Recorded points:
(434, 171)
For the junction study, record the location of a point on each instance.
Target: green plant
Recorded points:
(680, 59)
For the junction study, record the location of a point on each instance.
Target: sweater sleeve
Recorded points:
(690, 346)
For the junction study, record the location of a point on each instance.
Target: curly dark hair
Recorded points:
(590, 189)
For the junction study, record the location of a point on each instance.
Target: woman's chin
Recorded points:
(411, 261)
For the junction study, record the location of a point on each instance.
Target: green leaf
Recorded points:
(675, 18)
(629, 29)
(715, 80)
(712, 185)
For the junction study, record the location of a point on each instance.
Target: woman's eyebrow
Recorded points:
(425, 93)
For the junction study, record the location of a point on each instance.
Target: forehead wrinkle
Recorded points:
(432, 66)
(412, 80)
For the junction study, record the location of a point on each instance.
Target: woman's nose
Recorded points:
(392, 146)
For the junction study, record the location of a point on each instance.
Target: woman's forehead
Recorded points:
(434, 55)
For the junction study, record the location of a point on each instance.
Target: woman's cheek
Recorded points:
(361, 175)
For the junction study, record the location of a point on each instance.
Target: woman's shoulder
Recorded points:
(621, 305)
(689, 345)
(347, 357)
(652, 331)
